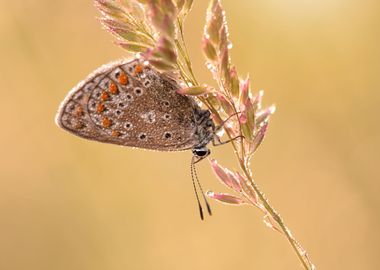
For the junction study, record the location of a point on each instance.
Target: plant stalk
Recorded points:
(301, 254)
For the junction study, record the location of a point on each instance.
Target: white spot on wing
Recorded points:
(149, 117)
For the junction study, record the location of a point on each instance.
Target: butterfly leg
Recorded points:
(217, 142)
(218, 128)
(216, 139)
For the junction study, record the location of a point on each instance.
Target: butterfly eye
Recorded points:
(201, 152)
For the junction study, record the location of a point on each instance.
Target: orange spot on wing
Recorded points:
(79, 111)
(106, 122)
(138, 69)
(123, 79)
(104, 96)
(115, 133)
(113, 88)
(78, 125)
(100, 107)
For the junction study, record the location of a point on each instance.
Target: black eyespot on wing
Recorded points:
(142, 136)
(167, 135)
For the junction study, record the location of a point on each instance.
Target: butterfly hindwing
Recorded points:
(128, 103)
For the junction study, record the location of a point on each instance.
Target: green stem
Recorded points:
(307, 264)
(140, 26)
(183, 74)
(185, 51)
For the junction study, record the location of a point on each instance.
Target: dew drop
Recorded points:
(211, 67)
(229, 125)
(182, 84)
(220, 132)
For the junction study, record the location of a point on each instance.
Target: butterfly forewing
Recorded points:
(128, 103)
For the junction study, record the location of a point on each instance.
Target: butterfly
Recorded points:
(130, 103)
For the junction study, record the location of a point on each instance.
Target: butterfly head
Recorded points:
(201, 152)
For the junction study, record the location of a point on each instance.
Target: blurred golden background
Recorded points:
(68, 203)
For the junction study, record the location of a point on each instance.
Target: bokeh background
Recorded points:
(68, 203)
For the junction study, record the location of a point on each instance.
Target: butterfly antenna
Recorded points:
(200, 187)
(195, 188)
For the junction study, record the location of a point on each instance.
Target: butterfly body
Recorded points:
(131, 104)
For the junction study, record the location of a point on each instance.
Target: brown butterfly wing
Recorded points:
(127, 103)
